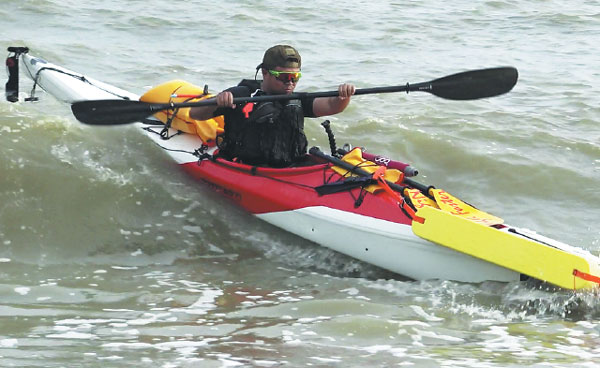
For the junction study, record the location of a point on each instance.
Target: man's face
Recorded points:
(282, 84)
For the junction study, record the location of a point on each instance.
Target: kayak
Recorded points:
(366, 210)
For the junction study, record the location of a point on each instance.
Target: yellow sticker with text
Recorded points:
(449, 203)
(420, 200)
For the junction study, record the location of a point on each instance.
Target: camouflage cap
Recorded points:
(282, 56)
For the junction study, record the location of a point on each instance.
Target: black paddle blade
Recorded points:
(474, 84)
(112, 112)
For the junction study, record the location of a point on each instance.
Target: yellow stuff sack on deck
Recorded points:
(207, 130)
(355, 158)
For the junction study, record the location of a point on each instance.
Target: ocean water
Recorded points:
(110, 256)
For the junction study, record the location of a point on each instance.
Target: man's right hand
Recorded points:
(225, 99)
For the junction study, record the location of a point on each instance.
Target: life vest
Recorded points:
(266, 133)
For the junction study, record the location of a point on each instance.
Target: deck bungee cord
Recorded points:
(172, 115)
(36, 80)
(12, 86)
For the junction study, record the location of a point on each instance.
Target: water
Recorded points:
(110, 256)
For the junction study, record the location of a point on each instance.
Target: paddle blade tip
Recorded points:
(110, 112)
(476, 84)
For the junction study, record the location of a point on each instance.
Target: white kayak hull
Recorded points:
(385, 244)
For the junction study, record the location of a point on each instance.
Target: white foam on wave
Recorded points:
(73, 335)
(9, 343)
(23, 290)
(205, 303)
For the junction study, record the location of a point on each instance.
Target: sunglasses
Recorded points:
(286, 77)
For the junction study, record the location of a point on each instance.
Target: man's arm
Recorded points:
(332, 105)
(224, 99)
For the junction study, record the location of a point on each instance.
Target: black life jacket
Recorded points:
(271, 134)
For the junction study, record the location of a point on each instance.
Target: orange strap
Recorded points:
(379, 175)
(586, 276)
(408, 209)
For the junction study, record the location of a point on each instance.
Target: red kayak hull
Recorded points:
(262, 190)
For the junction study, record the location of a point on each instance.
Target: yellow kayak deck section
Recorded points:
(556, 265)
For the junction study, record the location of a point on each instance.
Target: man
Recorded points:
(270, 133)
